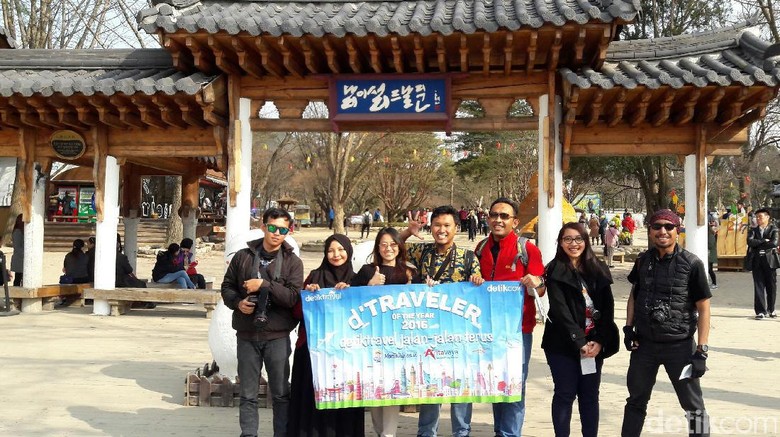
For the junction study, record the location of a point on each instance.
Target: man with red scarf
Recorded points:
(500, 260)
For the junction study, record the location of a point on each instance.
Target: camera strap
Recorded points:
(256, 264)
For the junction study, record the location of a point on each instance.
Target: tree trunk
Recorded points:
(175, 231)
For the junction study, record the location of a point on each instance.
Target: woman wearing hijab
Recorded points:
(389, 267)
(305, 420)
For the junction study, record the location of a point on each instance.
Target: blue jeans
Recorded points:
(428, 423)
(275, 354)
(569, 384)
(180, 277)
(508, 417)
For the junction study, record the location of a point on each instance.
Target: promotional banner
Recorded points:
(415, 344)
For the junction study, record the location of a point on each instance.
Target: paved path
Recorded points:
(68, 373)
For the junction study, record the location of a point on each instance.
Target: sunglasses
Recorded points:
(503, 215)
(668, 226)
(569, 240)
(273, 228)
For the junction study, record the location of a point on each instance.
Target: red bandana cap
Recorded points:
(665, 214)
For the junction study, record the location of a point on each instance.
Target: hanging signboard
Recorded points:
(359, 99)
(68, 144)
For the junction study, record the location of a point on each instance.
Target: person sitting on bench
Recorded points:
(125, 278)
(167, 269)
(187, 259)
(75, 268)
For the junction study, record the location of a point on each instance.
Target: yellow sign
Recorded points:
(68, 144)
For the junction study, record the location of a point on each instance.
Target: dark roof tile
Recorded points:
(381, 18)
(68, 72)
(732, 55)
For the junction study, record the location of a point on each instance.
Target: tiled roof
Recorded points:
(732, 55)
(339, 18)
(68, 72)
(5, 40)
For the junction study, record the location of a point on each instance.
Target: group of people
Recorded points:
(668, 305)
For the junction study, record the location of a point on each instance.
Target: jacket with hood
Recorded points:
(284, 292)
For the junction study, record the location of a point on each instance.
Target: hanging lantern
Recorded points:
(265, 146)
(747, 179)
(498, 145)
(351, 159)
(308, 159)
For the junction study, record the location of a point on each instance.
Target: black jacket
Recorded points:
(757, 244)
(565, 332)
(284, 292)
(165, 264)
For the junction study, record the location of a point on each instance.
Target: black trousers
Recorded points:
(642, 373)
(764, 287)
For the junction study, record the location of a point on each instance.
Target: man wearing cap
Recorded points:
(669, 302)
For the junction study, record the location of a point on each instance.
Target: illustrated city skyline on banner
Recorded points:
(413, 344)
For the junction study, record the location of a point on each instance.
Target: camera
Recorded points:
(659, 312)
(260, 315)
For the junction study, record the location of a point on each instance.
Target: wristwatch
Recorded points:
(702, 348)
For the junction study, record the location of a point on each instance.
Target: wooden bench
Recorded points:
(174, 285)
(35, 300)
(121, 299)
(619, 255)
(734, 263)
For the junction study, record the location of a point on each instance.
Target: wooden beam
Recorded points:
(685, 115)
(663, 111)
(233, 148)
(579, 46)
(332, 56)
(701, 174)
(9, 115)
(486, 46)
(533, 36)
(290, 57)
(595, 108)
(550, 138)
(9, 143)
(376, 54)
(555, 50)
(99, 139)
(46, 113)
(182, 59)
(190, 186)
(171, 166)
(158, 142)
(419, 54)
(202, 57)
(441, 54)
(190, 113)
(27, 115)
(169, 111)
(86, 113)
(269, 57)
(131, 189)
(458, 124)
(27, 140)
(616, 116)
(710, 110)
(105, 112)
(223, 58)
(127, 114)
(246, 57)
(638, 116)
(464, 54)
(508, 52)
(353, 52)
(311, 57)
(398, 55)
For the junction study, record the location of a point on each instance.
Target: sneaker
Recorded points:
(713, 286)
(760, 316)
(773, 315)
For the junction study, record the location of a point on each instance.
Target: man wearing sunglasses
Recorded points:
(669, 302)
(261, 286)
(500, 259)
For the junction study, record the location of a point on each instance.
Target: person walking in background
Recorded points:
(669, 303)
(187, 259)
(331, 217)
(595, 236)
(603, 225)
(504, 256)
(17, 258)
(712, 252)
(75, 265)
(763, 260)
(581, 332)
(335, 271)
(168, 268)
(611, 237)
(366, 226)
(389, 266)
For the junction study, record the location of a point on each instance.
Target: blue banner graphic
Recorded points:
(414, 344)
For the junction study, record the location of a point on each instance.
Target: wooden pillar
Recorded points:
(550, 181)
(239, 169)
(696, 198)
(190, 185)
(34, 207)
(106, 173)
(131, 210)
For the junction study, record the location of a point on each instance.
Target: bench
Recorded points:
(121, 299)
(734, 263)
(619, 255)
(174, 285)
(35, 300)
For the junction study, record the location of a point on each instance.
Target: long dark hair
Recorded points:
(588, 265)
(401, 265)
(78, 245)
